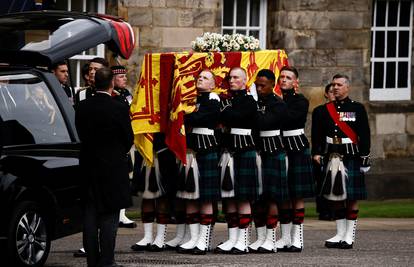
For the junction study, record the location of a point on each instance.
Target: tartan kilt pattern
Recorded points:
(355, 185)
(209, 180)
(275, 180)
(246, 183)
(300, 177)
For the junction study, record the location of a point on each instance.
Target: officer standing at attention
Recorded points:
(122, 94)
(300, 177)
(342, 137)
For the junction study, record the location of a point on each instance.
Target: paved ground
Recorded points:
(380, 242)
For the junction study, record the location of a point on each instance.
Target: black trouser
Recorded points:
(99, 235)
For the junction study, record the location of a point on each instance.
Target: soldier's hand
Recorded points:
(317, 158)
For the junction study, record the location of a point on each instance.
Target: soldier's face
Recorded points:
(237, 79)
(120, 80)
(93, 67)
(62, 73)
(264, 86)
(340, 88)
(287, 79)
(205, 82)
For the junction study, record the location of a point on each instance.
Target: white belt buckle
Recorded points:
(205, 131)
(240, 131)
(293, 132)
(269, 133)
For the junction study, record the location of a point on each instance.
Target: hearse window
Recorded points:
(29, 112)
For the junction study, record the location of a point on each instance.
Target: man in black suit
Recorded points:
(104, 127)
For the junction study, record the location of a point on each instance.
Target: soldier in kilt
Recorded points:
(239, 173)
(342, 145)
(155, 182)
(274, 170)
(300, 178)
(199, 178)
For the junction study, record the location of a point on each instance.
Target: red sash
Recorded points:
(342, 125)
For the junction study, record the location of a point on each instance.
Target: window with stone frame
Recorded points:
(77, 61)
(245, 17)
(392, 31)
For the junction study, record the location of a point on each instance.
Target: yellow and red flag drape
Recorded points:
(166, 91)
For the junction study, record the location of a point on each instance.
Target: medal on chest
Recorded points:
(347, 116)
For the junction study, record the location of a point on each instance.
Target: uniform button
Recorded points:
(336, 130)
(335, 136)
(336, 124)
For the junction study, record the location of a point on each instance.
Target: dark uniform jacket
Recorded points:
(296, 115)
(122, 94)
(105, 131)
(206, 116)
(241, 113)
(270, 114)
(353, 114)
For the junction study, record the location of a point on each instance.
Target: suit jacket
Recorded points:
(104, 127)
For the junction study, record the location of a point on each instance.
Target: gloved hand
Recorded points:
(365, 164)
(225, 104)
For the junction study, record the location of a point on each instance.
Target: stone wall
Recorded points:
(166, 26)
(324, 37)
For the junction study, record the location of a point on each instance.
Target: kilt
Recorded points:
(165, 179)
(355, 186)
(246, 183)
(209, 180)
(275, 180)
(300, 177)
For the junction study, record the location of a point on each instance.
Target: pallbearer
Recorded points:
(342, 137)
(300, 178)
(199, 179)
(274, 170)
(155, 184)
(239, 174)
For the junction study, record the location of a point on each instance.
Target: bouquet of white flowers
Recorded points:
(216, 42)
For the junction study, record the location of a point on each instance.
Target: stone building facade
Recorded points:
(321, 37)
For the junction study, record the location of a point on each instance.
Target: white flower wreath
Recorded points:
(216, 42)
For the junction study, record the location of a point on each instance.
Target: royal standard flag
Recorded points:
(166, 90)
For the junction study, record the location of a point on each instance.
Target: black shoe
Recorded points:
(284, 249)
(263, 250)
(79, 254)
(127, 225)
(218, 250)
(184, 250)
(155, 248)
(136, 247)
(329, 244)
(168, 247)
(295, 249)
(344, 245)
(197, 251)
(253, 250)
(237, 251)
